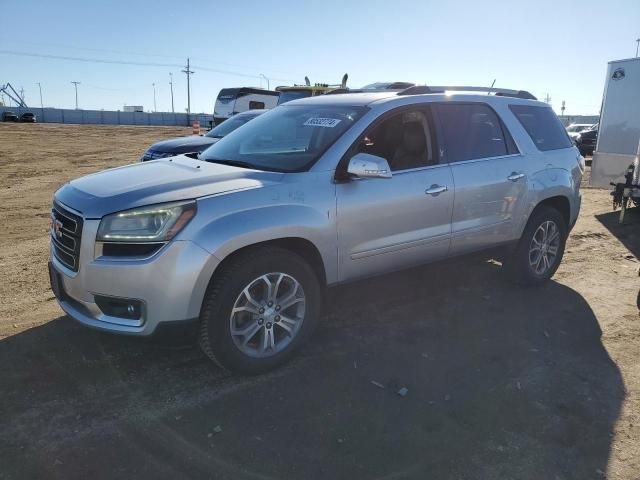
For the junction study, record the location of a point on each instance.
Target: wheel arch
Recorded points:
(297, 245)
(555, 188)
(560, 203)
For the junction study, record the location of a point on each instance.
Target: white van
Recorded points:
(236, 100)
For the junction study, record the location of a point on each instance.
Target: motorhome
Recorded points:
(619, 130)
(236, 100)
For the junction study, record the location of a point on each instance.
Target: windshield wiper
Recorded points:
(233, 163)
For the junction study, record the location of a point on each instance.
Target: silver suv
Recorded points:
(241, 244)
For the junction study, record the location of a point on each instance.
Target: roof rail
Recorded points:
(502, 92)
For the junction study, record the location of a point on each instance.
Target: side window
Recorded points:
(406, 140)
(471, 131)
(543, 126)
(253, 105)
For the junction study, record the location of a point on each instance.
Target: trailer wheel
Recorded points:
(623, 209)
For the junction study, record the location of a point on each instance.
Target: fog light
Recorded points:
(119, 307)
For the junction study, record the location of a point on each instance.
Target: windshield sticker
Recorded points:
(321, 122)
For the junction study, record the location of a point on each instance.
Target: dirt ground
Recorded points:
(502, 382)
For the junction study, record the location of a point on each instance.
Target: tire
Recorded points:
(623, 209)
(524, 265)
(238, 295)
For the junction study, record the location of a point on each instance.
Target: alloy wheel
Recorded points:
(267, 315)
(544, 247)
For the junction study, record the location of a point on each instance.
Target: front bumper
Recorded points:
(170, 285)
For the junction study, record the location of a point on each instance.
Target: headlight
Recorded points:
(153, 155)
(154, 223)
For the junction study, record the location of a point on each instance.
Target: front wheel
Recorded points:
(259, 309)
(540, 249)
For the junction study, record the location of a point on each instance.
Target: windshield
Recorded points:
(229, 125)
(577, 128)
(287, 139)
(293, 95)
(227, 94)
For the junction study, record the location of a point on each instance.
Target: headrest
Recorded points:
(413, 137)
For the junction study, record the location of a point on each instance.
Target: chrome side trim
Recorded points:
(400, 246)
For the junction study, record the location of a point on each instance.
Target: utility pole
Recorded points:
(155, 109)
(547, 99)
(22, 94)
(637, 45)
(75, 84)
(189, 72)
(171, 85)
(265, 77)
(40, 88)
(562, 108)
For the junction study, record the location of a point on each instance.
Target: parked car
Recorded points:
(241, 246)
(578, 127)
(195, 143)
(574, 129)
(586, 140)
(9, 117)
(28, 117)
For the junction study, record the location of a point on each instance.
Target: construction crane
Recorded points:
(8, 89)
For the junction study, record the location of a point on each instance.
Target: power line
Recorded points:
(86, 59)
(146, 54)
(102, 50)
(128, 62)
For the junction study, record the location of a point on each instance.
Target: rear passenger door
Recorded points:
(488, 174)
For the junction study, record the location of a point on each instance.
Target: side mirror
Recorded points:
(364, 165)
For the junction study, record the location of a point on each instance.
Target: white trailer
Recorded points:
(619, 130)
(237, 100)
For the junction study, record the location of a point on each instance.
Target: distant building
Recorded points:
(133, 108)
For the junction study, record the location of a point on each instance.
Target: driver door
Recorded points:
(387, 224)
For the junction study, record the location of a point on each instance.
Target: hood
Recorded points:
(193, 143)
(178, 178)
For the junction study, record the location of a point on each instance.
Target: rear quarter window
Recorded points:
(543, 126)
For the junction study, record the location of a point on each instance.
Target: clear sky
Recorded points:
(555, 47)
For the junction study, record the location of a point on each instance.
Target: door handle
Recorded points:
(515, 176)
(436, 189)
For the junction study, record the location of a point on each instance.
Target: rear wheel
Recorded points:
(540, 249)
(259, 309)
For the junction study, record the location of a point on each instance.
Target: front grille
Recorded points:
(66, 235)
